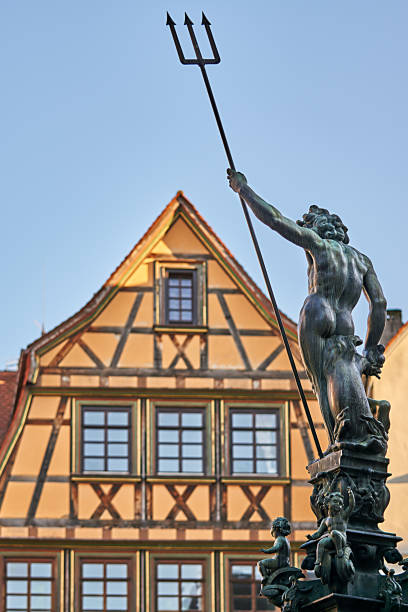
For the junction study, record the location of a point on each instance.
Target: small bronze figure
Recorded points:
(279, 530)
(336, 540)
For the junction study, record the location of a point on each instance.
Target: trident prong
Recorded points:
(201, 62)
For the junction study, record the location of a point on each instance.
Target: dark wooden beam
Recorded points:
(233, 330)
(216, 373)
(181, 502)
(87, 349)
(63, 352)
(106, 501)
(126, 330)
(46, 460)
(180, 348)
(267, 362)
(304, 430)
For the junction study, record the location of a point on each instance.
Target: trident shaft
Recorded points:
(202, 62)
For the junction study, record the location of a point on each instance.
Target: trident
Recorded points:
(202, 62)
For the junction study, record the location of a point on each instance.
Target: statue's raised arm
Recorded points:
(271, 216)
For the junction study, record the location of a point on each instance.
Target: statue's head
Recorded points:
(325, 224)
(280, 526)
(335, 502)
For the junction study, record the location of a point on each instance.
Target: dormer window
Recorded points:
(180, 297)
(180, 294)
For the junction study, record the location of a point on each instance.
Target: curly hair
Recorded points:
(326, 224)
(334, 495)
(282, 524)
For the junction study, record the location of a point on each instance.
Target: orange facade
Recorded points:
(155, 435)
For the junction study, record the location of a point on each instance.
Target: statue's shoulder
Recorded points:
(363, 260)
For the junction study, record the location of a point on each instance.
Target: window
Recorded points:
(180, 439)
(180, 297)
(104, 586)
(179, 586)
(245, 585)
(106, 439)
(254, 441)
(29, 586)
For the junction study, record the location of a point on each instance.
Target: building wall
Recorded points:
(122, 360)
(393, 386)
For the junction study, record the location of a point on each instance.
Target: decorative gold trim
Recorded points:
(213, 579)
(16, 436)
(255, 481)
(147, 580)
(72, 580)
(222, 435)
(137, 581)
(138, 448)
(177, 479)
(167, 329)
(212, 426)
(72, 434)
(61, 580)
(105, 478)
(273, 395)
(149, 430)
(222, 581)
(287, 458)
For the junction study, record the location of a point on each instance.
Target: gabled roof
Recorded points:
(178, 206)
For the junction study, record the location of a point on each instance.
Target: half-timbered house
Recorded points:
(154, 436)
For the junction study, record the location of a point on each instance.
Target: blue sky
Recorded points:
(101, 125)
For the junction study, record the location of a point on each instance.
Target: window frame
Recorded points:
(179, 580)
(209, 582)
(151, 437)
(8, 556)
(283, 455)
(162, 269)
(133, 562)
(180, 410)
(134, 438)
(194, 301)
(237, 559)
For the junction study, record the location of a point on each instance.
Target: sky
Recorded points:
(101, 126)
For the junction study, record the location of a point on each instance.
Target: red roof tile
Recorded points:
(8, 384)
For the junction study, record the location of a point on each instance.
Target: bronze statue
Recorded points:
(276, 572)
(335, 543)
(279, 530)
(337, 274)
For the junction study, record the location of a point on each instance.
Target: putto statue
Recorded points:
(337, 274)
(333, 546)
(279, 530)
(277, 574)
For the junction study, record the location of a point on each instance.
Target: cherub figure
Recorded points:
(391, 593)
(336, 540)
(279, 530)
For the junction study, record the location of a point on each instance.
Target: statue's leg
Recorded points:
(312, 347)
(339, 542)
